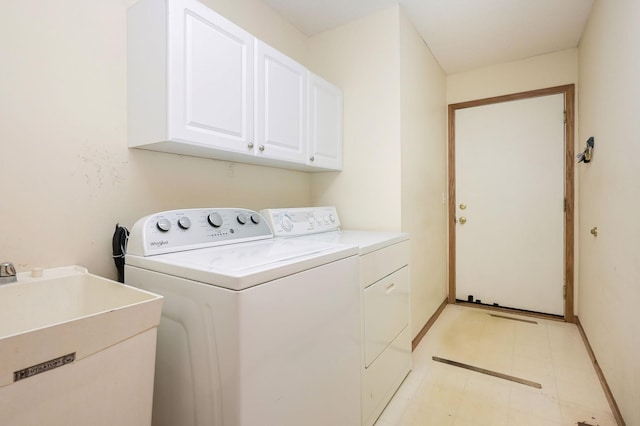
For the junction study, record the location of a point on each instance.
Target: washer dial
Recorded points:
(163, 225)
(184, 222)
(215, 220)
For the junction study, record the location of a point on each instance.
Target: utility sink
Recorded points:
(60, 319)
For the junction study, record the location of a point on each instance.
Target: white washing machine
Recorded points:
(384, 285)
(255, 331)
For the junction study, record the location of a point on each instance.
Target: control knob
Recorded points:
(286, 222)
(184, 222)
(255, 218)
(242, 218)
(163, 225)
(215, 220)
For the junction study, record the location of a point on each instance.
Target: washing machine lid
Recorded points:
(244, 265)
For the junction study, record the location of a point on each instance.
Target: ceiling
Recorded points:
(461, 34)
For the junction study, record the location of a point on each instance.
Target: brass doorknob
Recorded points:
(462, 220)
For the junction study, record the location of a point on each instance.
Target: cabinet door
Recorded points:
(210, 78)
(324, 124)
(281, 86)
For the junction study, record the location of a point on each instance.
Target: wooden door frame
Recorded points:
(569, 96)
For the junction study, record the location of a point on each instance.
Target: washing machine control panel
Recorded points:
(302, 221)
(179, 230)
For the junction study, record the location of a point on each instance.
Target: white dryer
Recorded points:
(384, 285)
(255, 331)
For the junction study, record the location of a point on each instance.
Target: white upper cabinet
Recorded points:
(324, 124)
(211, 85)
(281, 105)
(200, 85)
(190, 77)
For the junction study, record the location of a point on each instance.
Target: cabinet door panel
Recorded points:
(325, 124)
(211, 89)
(280, 105)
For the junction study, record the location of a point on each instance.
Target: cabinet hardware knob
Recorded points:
(250, 145)
(261, 147)
(312, 158)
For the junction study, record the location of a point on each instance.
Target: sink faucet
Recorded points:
(7, 273)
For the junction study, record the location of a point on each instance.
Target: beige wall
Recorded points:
(394, 142)
(362, 58)
(66, 171)
(424, 178)
(553, 69)
(610, 197)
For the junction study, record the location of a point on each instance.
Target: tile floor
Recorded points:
(550, 353)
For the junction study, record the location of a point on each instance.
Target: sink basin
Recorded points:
(63, 317)
(68, 310)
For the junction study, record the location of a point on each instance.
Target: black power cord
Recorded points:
(119, 244)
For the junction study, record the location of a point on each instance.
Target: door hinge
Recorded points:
(564, 115)
(564, 291)
(565, 204)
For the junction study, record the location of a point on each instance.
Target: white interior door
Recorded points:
(509, 174)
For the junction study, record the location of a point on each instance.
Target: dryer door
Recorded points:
(386, 307)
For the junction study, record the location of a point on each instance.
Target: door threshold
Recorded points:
(511, 310)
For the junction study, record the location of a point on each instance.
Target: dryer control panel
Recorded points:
(179, 230)
(302, 221)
